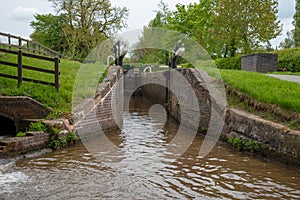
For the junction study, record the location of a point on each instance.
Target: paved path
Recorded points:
(291, 78)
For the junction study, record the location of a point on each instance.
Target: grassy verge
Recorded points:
(236, 102)
(61, 101)
(287, 73)
(284, 94)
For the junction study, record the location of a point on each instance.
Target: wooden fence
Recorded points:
(12, 41)
(19, 65)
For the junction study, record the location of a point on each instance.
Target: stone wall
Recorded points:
(18, 145)
(277, 141)
(260, 62)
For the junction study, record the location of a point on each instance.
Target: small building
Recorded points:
(260, 62)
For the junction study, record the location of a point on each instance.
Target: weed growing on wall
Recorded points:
(240, 144)
(37, 126)
(57, 141)
(21, 134)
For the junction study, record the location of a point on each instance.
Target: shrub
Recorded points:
(229, 63)
(57, 141)
(289, 59)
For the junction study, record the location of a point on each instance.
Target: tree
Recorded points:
(143, 55)
(289, 41)
(48, 30)
(86, 24)
(296, 23)
(242, 25)
(195, 20)
(93, 15)
(268, 47)
(161, 16)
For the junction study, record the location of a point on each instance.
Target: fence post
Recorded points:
(33, 48)
(9, 41)
(27, 44)
(19, 67)
(56, 63)
(20, 42)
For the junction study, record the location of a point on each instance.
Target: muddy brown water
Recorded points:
(145, 171)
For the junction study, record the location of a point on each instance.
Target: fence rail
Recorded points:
(20, 54)
(13, 41)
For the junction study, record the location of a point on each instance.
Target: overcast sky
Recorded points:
(16, 15)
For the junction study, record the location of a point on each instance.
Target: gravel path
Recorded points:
(291, 78)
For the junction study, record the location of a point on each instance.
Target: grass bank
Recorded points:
(60, 101)
(284, 94)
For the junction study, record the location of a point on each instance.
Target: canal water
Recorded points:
(145, 171)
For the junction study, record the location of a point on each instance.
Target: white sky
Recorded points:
(16, 15)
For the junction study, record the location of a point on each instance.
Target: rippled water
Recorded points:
(145, 171)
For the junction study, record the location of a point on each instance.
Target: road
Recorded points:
(291, 78)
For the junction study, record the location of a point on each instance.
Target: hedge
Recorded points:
(289, 59)
(229, 63)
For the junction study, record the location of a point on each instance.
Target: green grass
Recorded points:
(266, 89)
(60, 101)
(287, 73)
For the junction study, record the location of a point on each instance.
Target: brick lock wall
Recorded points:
(157, 93)
(196, 83)
(97, 113)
